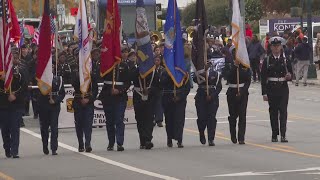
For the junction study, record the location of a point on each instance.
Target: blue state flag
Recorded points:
(144, 51)
(174, 51)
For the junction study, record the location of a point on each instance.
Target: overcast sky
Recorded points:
(181, 3)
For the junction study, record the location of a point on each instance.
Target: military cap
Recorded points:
(276, 40)
(23, 46)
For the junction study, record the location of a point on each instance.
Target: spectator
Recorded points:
(255, 51)
(302, 53)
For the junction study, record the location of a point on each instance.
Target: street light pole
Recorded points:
(312, 72)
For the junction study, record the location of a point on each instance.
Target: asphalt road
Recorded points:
(258, 159)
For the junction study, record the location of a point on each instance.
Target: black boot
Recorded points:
(202, 138)
(211, 143)
(284, 139)
(8, 154)
(274, 138)
(169, 143)
(45, 150)
(149, 145)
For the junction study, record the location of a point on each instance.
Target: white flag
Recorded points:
(238, 36)
(81, 32)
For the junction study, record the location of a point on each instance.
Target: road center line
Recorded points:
(262, 146)
(105, 160)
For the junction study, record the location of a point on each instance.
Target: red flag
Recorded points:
(44, 66)
(74, 11)
(9, 29)
(110, 51)
(14, 25)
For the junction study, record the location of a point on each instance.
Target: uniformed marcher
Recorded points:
(237, 98)
(275, 73)
(83, 105)
(114, 99)
(49, 110)
(174, 101)
(143, 103)
(207, 104)
(12, 107)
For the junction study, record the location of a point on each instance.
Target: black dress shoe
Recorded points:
(149, 145)
(142, 147)
(45, 150)
(15, 156)
(110, 148)
(234, 140)
(284, 139)
(159, 124)
(81, 149)
(180, 145)
(120, 148)
(211, 143)
(54, 153)
(203, 138)
(242, 142)
(169, 143)
(274, 139)
(8, 154)
(88, 149)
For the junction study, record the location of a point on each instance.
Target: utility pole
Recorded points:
(30, 8)
(301, 17)
(312, 72)
(243, 13)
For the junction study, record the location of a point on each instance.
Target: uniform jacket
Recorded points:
(58, 93)
(214, 83)
(244, 78)
(273, 68)
(122, 75)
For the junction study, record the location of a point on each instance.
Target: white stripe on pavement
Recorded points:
(105, 160)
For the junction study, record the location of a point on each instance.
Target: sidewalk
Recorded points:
(314, 82)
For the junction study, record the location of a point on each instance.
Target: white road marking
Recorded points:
(250, 121)
(266, 173)
(105, 160)
(220, 117)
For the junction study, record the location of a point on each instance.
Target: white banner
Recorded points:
(66, 118)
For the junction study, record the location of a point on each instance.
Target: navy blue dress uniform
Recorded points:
(49, 114)
(12, 106)
(276, 71)
(143, 101)
(115, 102)
(237, 101)
(84, 111)
(174, 101)
(207, 106)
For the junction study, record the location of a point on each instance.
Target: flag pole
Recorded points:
(205, 59)
(5, 32)
(114, 72)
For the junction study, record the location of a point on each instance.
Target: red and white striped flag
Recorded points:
(9, 28)
(44, 73)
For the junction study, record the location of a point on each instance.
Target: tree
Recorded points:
(23, 6)
(217, 12)
(254, 10)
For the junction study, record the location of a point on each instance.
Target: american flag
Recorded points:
(53, 31)
(5, 48)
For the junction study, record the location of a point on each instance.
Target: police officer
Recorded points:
(275, 74)
(143, 103)
(174, 101)
(237, 98)
(12, 107)
(207, 104)
(49, 110)
(83, 105)
(114, 99)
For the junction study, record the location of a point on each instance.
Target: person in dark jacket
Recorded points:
(237, 98)
(174, 101)
(302, 54)
(49, 113)
(114, 99)
(275, 74)
(12, 107)
(255, 51)
(83, 105)
(207, 104)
